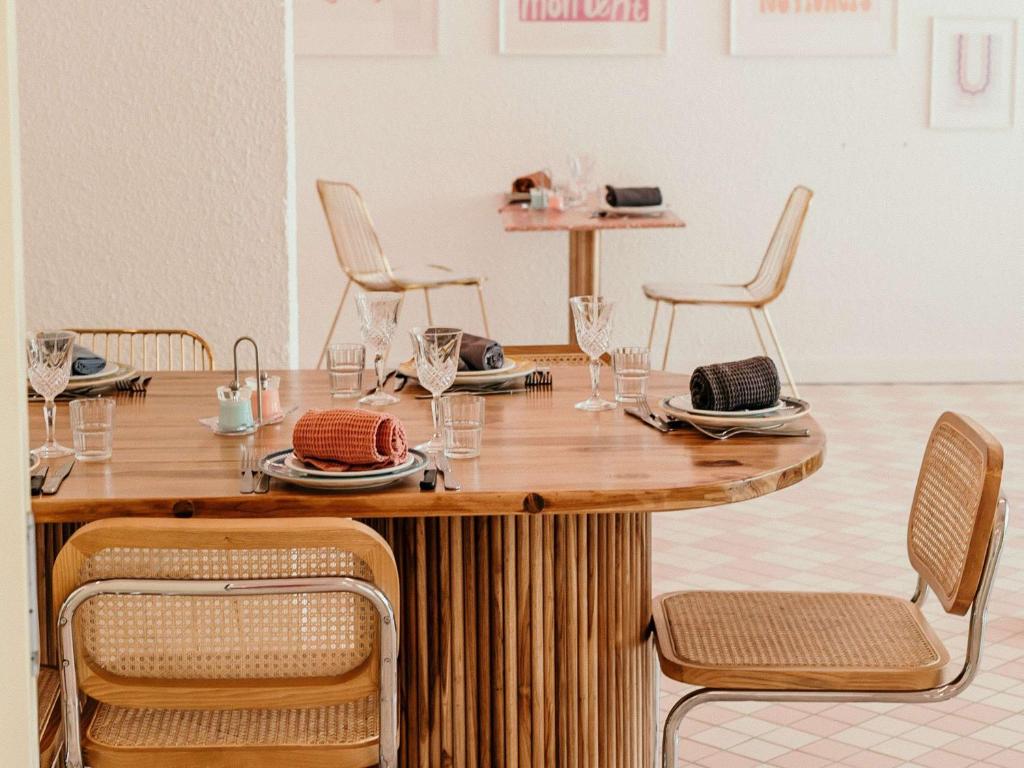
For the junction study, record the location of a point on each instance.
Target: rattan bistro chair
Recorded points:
(149, 349)
(363, 261)
(767, 285)
(853, 647)
(228, 643)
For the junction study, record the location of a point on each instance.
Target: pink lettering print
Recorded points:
(585, 10)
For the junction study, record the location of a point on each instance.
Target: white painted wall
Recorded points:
(913, 260)
(156, 167)
(18, 743)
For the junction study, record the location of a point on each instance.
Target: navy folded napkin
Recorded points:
(480, 354)
(85, 362)
(633, 197)
(740, 386)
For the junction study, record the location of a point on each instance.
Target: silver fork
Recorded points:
(261, 480)
(246, 482)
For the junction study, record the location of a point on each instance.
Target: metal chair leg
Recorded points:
(330, 333)
(668, 341)
(483, 310)
(654, 321)
(430, 313)
(670, 737)
(757, 330)
(782, 355)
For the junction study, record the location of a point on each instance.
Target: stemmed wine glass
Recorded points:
(49, 368)
(437, 361)
(378, 318)
(593, 318)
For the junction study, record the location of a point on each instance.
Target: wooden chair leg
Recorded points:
(430, 312)
(654, 321)
(334, 325)
(782, 355)
(668, 341)
(483, 309)
(757, 330)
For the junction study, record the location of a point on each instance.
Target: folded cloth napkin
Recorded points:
(480, 354)
(346, 438)
(531, 180)
(85, 362)
(740, 386)
(633, 196)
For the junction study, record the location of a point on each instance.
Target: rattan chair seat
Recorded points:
(51, 737)
(797, 641)
(700, 293)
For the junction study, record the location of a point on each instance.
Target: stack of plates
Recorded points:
(510, 371)
(111, 374)
(285, 465)
(786, 410)
(635, 210)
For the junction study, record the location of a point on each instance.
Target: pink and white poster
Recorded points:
(583, 27)
(813, 27)
(366, 27)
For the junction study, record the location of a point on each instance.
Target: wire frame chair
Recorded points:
(215, 642)
(755, 295)
(362, 258)
(150, 349)
(854, 647)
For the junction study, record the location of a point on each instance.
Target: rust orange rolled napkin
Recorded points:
(346, 438)
(740, 386)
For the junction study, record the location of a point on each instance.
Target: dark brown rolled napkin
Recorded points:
(85, 362)
(740, 386)
(480, 354)
(633, 197)
(531, 180)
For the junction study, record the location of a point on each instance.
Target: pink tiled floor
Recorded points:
(844, 528)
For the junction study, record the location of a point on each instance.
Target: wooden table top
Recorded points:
(516, 218)
(539, 455)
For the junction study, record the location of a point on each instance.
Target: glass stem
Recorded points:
(435, 411)
(50, 417)
(378, 366)
(595, 377)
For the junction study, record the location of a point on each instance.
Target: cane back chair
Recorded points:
(363, 261)
(767, 285)
(228, 643)
(853, 647)
(149, 349)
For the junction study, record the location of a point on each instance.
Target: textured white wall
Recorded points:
(156, 161)
(913, 258)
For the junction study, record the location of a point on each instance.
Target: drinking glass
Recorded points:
(437, 360)
(581, 171)
(92, 427)
(632, 368)
(593, 318)
(49, 368)
(345, 364)
(378, 318)
(463, 419)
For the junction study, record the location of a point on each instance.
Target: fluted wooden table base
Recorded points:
(525, 640)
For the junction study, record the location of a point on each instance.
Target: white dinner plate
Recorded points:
(294, 463)
(513, 369)
(274, 465)
(108, 369)
(684, 402)
(636, 210)
(121, 373)
(793, 409)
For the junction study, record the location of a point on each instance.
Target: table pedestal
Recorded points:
(584, 268)
(525, 641)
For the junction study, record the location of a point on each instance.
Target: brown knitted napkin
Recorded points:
(531, 180)
(633, 197)
(740, 386)
(479, 354)
(349, 439)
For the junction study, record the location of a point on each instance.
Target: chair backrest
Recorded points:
(355, 239)
(294, 650)
(771, 278)
(954, 506)
(149, 349)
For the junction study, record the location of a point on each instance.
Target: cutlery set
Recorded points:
(135, 386)
(439, 464)
(646, 414)
(252, 478)
(46, 479)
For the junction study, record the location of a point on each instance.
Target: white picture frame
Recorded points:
(553, 28)
(813, 27)
(974, 73)
(366, 27)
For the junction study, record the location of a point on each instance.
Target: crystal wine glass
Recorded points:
(378, 318)
(593, 318)
(437, 361)
(49, 368)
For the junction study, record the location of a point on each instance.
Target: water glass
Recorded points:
(632, 369)
(92, 428)
(463, 419)
(50, 354)
(378, 319)
(592, 316)
(345, 364)
(437, 362)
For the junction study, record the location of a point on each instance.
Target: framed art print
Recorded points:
(813, 28)
(366, 27)
(583, 27)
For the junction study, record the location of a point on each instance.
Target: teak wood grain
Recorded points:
(540, 455)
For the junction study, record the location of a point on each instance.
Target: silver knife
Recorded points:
(55, 477)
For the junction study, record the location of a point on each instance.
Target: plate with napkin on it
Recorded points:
(633, 201)
(482, 362)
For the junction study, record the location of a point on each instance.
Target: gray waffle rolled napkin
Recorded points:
(480, 354)
(85, 362)
(739, 386)
(633, 197)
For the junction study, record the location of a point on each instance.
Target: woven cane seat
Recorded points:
(51, 734)
(797, 641)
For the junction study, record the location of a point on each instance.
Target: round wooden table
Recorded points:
(525, 637)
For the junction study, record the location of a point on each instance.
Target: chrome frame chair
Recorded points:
(755, 295)
(362, 258)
